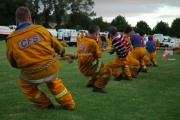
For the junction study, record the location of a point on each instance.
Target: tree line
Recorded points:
(76, 14)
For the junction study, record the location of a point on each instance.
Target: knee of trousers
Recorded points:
(105, 73)
(65, 98)
(126, 71)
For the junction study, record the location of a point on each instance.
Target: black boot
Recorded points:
(89, 85)
(139, 70)
(96, 89)
(50, 106)
(120, 77)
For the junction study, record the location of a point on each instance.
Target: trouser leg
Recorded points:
(62, 95)
(127, 72)
(34, 94)
(134, 66)
(92, 80)
(142, 64)
(115, 72)
(154, 61)
(103, 77)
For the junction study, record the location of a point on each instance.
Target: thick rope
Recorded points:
(68, 56)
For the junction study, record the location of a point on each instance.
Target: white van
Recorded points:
(53, 32)
(159, 37)
(68, 35)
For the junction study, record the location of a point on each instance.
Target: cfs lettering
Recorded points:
(82, 48)
(29, 41)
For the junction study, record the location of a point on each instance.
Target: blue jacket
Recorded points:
(151, 46)
(137, 40)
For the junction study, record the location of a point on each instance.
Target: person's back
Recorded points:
(32, 49)
(137, 40)
(121, 45)
(151, 48)
(151, 45)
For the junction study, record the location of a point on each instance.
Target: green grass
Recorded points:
(152, 96)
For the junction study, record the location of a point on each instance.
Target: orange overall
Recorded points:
(139, 50)
(146, 60)
(133, 63)
(122, 62)
(89, 65)
(30, 49)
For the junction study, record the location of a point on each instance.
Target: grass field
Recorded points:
(152, 96)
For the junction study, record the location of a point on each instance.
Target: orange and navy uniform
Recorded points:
(151, 48)
(139, 49)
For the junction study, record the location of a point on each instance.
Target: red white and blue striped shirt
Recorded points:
(121, 46)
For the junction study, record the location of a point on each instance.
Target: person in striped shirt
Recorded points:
(121, 47)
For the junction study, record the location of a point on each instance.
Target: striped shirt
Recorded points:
(121, 46)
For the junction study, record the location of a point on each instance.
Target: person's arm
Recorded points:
(98, 52)
(57, 46)
(9, 54)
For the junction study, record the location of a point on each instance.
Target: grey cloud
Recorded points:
(130, 8)
(168, 16)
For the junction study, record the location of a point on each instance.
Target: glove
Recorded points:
(62, 51)
(75, 56)
(69, 59)
(111, 52)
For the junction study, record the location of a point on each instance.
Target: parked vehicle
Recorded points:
(174, 43)
(5, 31)
(67, 35)
(170, 42)
(159, 37)
(53, 32)
(165, 42)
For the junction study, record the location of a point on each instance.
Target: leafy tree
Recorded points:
(162, 28)
(36, 16)
(47, 11)
(60, 10)
(80, 20)
(8, 8)
(83, 6)
(175, 28)
(120, 23)
(142, 26)
(99, 21)
(81, 10)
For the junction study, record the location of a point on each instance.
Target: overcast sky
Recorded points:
(150, 11)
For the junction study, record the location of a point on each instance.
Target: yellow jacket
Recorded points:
(31, 48)
(86, 63)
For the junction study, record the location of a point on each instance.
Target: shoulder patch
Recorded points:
(29, 41)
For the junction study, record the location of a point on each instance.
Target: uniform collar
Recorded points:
(23, 25)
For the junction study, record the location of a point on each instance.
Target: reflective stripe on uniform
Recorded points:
(39, 80)
(98, 65)
(134, 67)
(36, 97)
(61, 94)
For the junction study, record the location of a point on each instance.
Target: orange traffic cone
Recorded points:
(164, 56)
